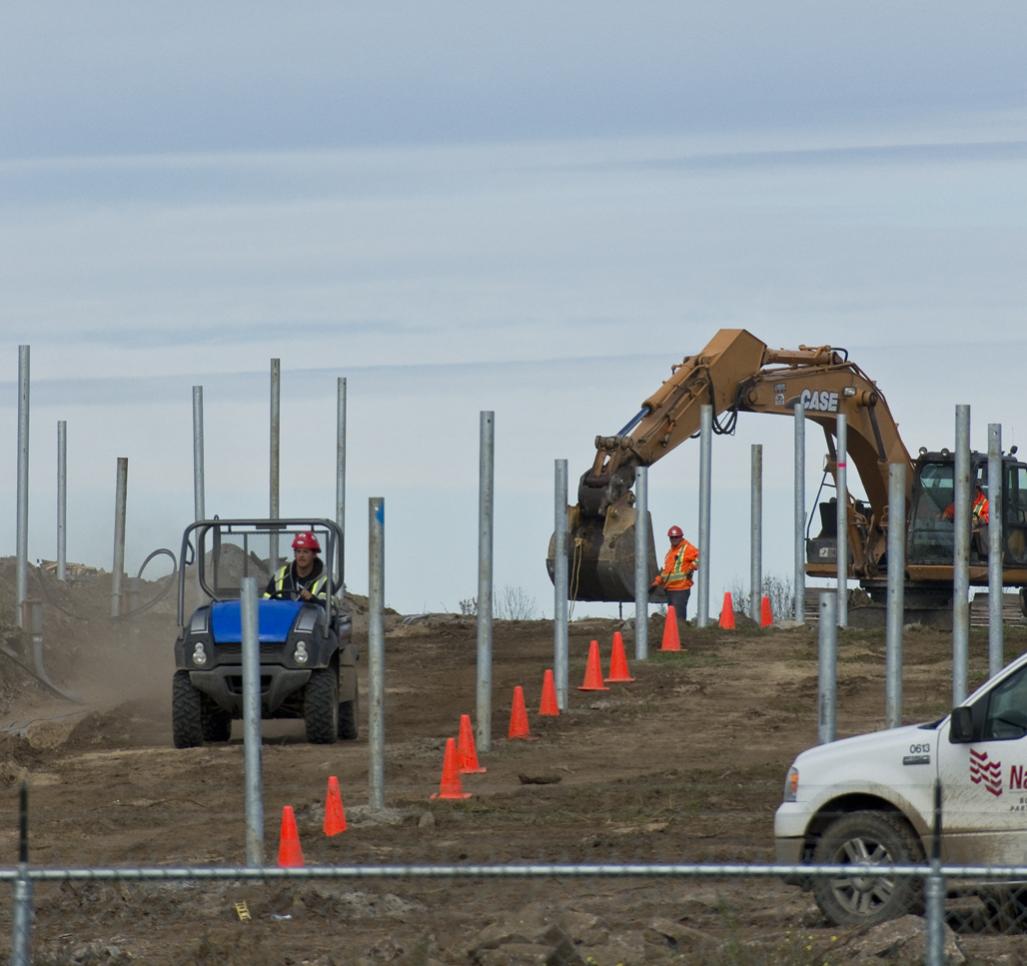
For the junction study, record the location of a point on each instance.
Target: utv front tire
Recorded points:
(186, 712)
(217, 723)
(321, 706)
(349, 727)
(867, 840)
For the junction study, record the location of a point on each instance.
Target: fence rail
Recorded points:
(935, 877)
(1010, 873)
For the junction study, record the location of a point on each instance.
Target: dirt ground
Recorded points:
(686, 764)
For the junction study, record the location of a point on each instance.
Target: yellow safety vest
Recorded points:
(317, 588)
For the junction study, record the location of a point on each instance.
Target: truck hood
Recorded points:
(862, 746)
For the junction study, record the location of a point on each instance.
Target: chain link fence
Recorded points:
(551, 923)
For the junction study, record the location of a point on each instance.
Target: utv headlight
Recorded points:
(300, 655)
(199, 654)
(792, 784)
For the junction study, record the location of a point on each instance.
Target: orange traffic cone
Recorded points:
(466, 752)
(449, 786)
(335, 817)
(766, 612)
(290, 855)
(619, 672)
(548, 707)
(727, 613)
(593, 671)
(518, 717)
(671, 638)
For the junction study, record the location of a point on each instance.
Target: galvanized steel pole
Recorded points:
(961, 557)
(276, 439)
(376, 651)
(22, 564)
(340, 470)
(996, 659)
(251, 723)
(560, 576)
(934, 902)
(842, 504)
(21, 913)
(705, 475)
(486, 472)
(896, 594)
(799, 559)
(199, 510)
(120, 502)
(756, 535)
(827, 680)
(62, 499)
(641, 563)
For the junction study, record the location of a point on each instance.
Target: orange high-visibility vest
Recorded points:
(678, 566)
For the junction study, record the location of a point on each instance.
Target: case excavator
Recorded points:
(736, 372)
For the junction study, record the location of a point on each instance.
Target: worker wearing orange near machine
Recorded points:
(676, 576)
(979, 511)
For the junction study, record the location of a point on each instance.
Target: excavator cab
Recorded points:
(931, 535)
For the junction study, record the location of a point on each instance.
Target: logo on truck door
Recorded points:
(821, 401)
(985, 772)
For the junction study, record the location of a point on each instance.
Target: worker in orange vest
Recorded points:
(979, 510)
(676, 575)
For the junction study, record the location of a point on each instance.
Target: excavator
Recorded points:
(736, 372)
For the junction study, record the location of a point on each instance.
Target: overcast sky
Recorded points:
(533, 209)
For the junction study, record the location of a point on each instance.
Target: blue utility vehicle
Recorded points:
(307, 658)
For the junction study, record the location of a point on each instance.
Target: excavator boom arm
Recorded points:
(736, 372)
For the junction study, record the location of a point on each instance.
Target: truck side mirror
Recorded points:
(961, 726)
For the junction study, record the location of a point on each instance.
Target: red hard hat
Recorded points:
(306, 541)
(675, 531)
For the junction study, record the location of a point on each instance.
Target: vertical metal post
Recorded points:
(251, 723)
(120, 502)
(934, 893)
(21, 914)
(896, 594)
(340, 471)
(199, 510)
(961, 562)
(842, 504)
(22, 564)
(996, 659)
(705, 474)
(486, 471)
(35, 608)
(376, 651)
(62, 499)
(827, 681)
(641, 563)
(799, 559)
(756, 534)
(276, 438)
(560, 578)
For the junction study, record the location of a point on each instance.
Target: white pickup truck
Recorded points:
(869, 801)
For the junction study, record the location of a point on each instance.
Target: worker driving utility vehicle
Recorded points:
(307, 658)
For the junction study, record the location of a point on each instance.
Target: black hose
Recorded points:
(135, 612)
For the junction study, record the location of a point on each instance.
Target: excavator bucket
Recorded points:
(601, 554)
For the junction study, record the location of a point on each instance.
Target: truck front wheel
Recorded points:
(866, 840)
